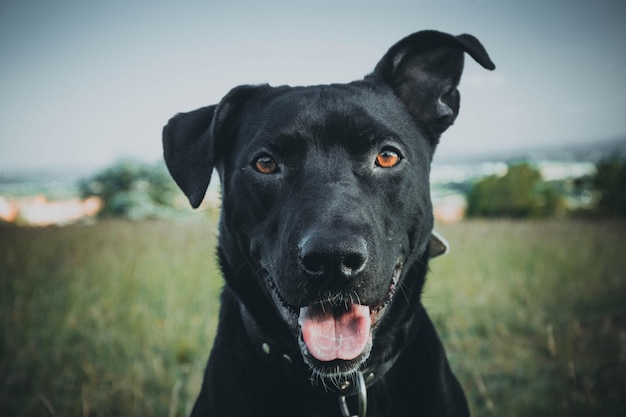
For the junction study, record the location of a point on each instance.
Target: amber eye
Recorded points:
(387, 158)
(265, 165)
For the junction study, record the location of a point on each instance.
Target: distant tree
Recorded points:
(132, 189)
(521, 192)
(610, 183)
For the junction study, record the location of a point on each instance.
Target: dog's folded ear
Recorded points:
(438, 245)
(192, 142)
(424, 70)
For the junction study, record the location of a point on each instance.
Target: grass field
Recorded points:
(117, 318)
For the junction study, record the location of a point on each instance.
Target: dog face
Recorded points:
(335, 184)
(326, 204)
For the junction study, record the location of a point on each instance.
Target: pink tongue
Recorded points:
(337, 333)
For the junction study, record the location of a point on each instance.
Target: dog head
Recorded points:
(326, 210)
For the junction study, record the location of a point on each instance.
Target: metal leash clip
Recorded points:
(361, 389)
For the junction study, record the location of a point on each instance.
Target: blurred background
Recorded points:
(108, 286)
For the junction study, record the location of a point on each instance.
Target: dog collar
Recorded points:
(289, 361)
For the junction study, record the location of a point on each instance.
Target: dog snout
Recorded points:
(333, 255)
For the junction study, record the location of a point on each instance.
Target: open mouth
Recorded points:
(336, 334)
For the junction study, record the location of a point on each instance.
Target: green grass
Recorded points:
(533, 315)
(117, 318)
(114, 319)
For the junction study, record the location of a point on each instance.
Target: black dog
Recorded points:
(324, 237)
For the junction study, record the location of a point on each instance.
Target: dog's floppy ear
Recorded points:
(188, 151)
(424, 70)
(192, 142)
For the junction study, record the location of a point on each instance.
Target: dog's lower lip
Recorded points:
(378, 310)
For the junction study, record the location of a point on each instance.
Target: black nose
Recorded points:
(330, 255)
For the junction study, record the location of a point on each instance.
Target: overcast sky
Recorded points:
(83, 83)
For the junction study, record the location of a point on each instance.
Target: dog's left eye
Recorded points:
(388, 158)
(265, 164)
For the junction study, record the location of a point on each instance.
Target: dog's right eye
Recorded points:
(265, 164)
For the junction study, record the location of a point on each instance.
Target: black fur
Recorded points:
(326, 223)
